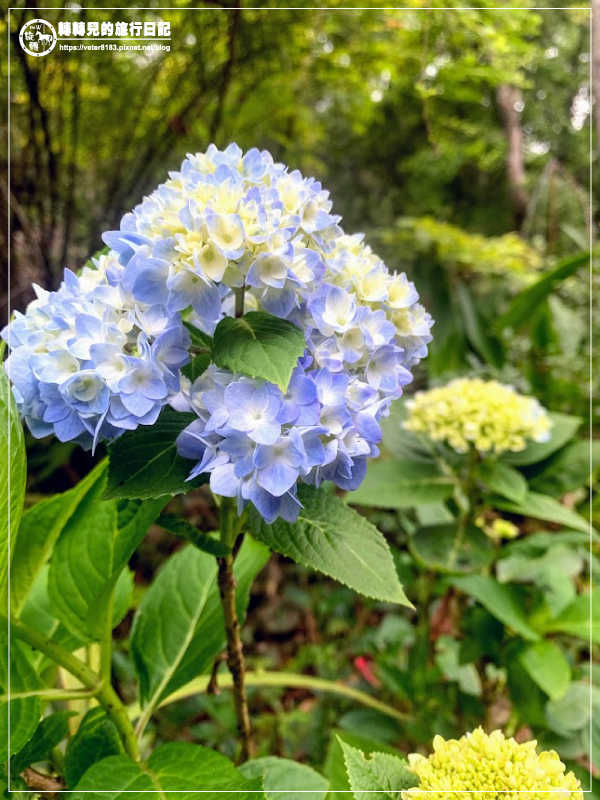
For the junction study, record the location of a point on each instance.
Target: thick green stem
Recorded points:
(50, 695)
(470, 486)
(465, 495)
(285, 680)
(422, 647)
(103, 691)
(228, 521)
(106, 644)
(115, 709)
(235, 652)
(57, 653)
(239, 301)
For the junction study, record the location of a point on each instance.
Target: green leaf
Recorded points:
(259, 345)
(400, 443)
(540, 506)
(379, 777)
(521, 309)
(572, 711)
(24, 712)
(286, 780)
(96, 738)
(536, 544)
(564, 428)
(197, 366)
(433, 514)
(445, 549)
(167, 619)
(208, 638)
(332, 538)
(18, 788)
(542, 332)
(144, 463)
(50, 732)
(134, 517)
(203, 541)
(553, 571)
(581, 618)
(335, 764)
(402, 484)
(568, 470)
(90, 556)
(590, 735)
(199, 338)
(578, 236)
(485, 346)
(448, 659)
(503, 479)
(547, 666)
(40, 527)
(503, 602)
(122, 600)
(13, 474)
(175, 771)
(524, 693)
(39, 614)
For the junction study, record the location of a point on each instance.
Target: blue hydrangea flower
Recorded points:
(364, 331)
(104, 353)
(253, 409)
(88, 361)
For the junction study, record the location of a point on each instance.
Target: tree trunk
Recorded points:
(507, 97)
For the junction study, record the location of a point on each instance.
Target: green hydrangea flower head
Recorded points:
(493, 767)
(486, 415)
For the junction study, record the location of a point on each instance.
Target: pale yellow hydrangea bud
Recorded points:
(494, 767)
(486, 415)
(498, 528)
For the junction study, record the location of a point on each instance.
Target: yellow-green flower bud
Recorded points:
(486, 415)
(495, 767)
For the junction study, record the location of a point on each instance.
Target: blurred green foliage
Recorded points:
(463, 252)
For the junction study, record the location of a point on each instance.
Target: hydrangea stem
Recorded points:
(239, 302)
(103, 691)
(235, 652)
(284, 680)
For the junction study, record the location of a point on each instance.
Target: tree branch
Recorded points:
(236, 15)
(43, 784)
(235, 652)
(52, 164)
(507, 96)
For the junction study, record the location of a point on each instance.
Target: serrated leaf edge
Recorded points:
(403, 601)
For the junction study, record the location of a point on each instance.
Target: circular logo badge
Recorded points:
(37, 37)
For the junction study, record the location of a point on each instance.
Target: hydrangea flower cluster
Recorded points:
(492, 766)
(271, 234)
(227, 227)
(486, 415)
(88, 362)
